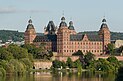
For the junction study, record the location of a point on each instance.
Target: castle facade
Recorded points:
(65, 40)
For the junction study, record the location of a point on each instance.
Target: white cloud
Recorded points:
(6, 10)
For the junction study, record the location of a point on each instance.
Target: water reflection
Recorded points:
(62, 76)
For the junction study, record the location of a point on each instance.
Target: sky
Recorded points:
(85, 14)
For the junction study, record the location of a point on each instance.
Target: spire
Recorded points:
(30, 21)
(104, 20)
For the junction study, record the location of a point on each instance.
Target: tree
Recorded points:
(78, 65)
(69, 62)
(110, 49)
(17, 51)
(101, 65)
(88, 58)
(78, 53)
(114, 62)
(119, 76)
(5, 55)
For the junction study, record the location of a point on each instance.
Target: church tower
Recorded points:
(104, 34)
(30, 33)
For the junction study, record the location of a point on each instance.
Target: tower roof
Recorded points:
(104, 20)
(51, 29)
(30, 21)
(63, 18)
(104, 25)
(63, 23)
(71, 27)
(30, 25)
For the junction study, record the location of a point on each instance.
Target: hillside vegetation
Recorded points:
(6, 35)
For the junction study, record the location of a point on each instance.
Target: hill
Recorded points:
(6, 35)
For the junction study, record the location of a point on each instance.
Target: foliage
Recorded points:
(78, 53)
(2, 72)
(38, 53)
(17, 51)
(110, 49)
(15, 59)
(114, 62)
(6, 35)
(78, 65)
(101, 65)
(58, 64)
(88, 58)
(119, 76)
(27, 63)
(19, 67)
(69, 62)
(5, 55)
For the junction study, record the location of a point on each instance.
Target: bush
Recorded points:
(2, 72)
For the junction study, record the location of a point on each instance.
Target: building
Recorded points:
(65, 40)
(117, 43)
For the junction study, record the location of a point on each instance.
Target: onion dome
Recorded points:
(104, 25)
(63, 23)
(30, 25)
(71, 27)
(104, 20)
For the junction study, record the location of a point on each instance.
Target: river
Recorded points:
(59, 76)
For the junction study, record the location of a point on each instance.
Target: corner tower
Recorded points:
(71, 28)
(63, 37)
(104, 34)
(30, 33)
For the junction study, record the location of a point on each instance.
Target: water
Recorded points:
(46, 76)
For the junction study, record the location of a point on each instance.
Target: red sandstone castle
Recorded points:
(65, 41)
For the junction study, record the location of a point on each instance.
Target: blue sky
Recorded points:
(86, 14)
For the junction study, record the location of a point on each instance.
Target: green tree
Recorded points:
(119, 76)
(88, 58)
(5, 55)
(69, 62)
(17, 51)
(110, 49)
(114, 62)
(78, 65)
(27, 63)
(57, 64)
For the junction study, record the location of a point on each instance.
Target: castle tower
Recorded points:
(104, 34)
(63, 37)
(50, 29)
(71, 28)
(30, 33)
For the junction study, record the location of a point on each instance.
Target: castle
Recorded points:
(65, 41)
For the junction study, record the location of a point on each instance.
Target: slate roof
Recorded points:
(79, 37)
(46, 38)
(93, 37)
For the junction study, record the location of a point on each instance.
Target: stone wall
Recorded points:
(42, 65)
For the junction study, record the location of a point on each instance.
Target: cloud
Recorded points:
(5, 10)
(8, 10)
